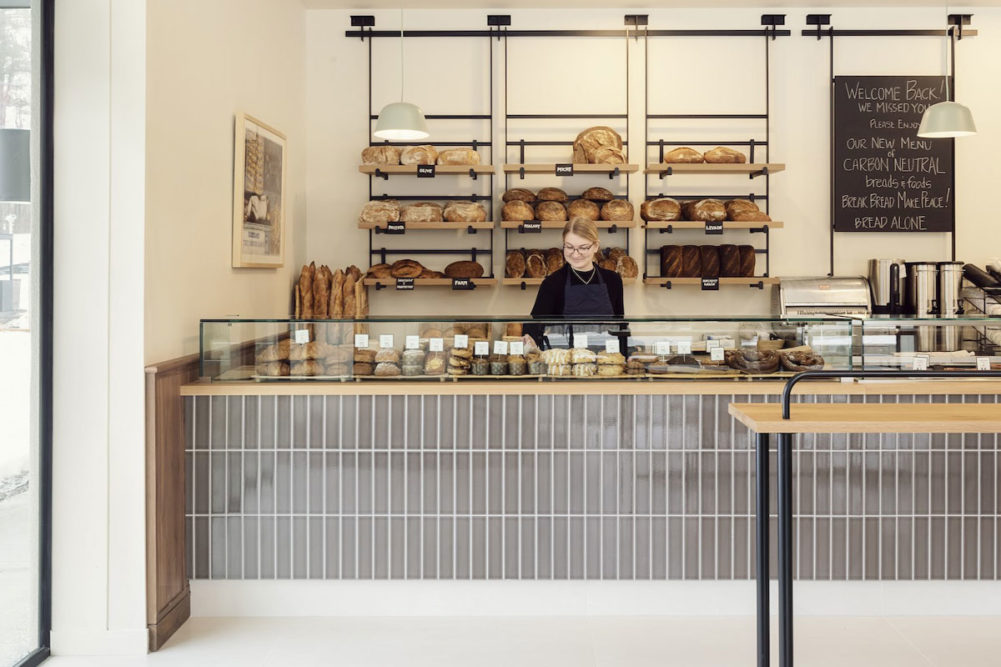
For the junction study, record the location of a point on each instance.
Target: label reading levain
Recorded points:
(531, 227)
(461, 341)
(564, 170)
(612, 345)
(983, 363)
(517, 347)
(662, 347)
(404, 283)
(716, 354)
(425, 171)
(436, 344)
(386, 341)
(412, 342)
(714, 227)
(361, 340)
(500, 347)
(463, 284)
(301, 336)
(710, 283)
(580, 341)
(396, 227)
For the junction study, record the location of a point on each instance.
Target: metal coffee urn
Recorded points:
(922, 287)
(886, 280)
(950, 277)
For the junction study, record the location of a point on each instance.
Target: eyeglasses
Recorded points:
(580, 250)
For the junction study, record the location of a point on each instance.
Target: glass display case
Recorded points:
(915, 343)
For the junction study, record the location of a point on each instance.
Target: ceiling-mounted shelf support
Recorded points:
(818, 20)
(959, 20)
(772, 21)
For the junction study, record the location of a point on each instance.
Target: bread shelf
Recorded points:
(460, 226)
(517, 282)
(723, 282)
(557, 224)
(550, 168)
(439, 168)
(696, 224)
(426, 282)
(707, 168)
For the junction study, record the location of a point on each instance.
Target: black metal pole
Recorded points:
(762, 571)
(785, 549)
(831, 130)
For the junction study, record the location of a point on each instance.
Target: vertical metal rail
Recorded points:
(830, 34)
(952, 96)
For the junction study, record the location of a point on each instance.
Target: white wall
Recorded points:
(686, 76)
(206, 61)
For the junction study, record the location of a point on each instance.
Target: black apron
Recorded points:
(589, 300)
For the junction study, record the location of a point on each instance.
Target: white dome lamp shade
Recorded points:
(945, 120)
(401, 121)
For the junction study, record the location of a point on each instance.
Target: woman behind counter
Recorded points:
(580, 288)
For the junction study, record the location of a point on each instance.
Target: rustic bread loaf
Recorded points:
(459, 156)
(670, 261)
(618, 210)
(683, 155)
(626, 267)
(550, 211)
(464, 211)
(608, 155)
(349, 295)
(518, 210)
(751, 216)
(729, 261)
(423, 211)
(306, 290)
(552, 194)
(579, 156)
(593, 138)
(691, 261)
(514, 264)
(724, 155)
(336, 304)
(377, 271)
(406, 268)
(615, 253)
(424, 154)
(606, 263)
(380, 212)
(664, 208)
(519, 194)
(747, 257)
(535, 265)
(583, 208)
(321, 292)
(554, 262)
(464, 269)
(736, 206)
(273, 368)
(598, 194)
(277, 352)
(429, 273)
(705, 210)
(709, 261)
(380, 155)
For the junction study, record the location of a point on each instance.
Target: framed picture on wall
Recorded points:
(259, 166)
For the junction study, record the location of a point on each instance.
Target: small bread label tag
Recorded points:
(436, 344)
(412, 342)
(301, 336)
(461, 341)
(564, 170)
(983, 363)
(361, 340)
(396, 227)
(425, 171)
(386, 341)
(612, 345)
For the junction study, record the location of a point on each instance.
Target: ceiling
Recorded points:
(624, 4)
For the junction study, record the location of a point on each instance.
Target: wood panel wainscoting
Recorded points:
(168, 596)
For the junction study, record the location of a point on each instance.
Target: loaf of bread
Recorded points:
(277, 352)
(691, 261)
(296, 301)
(724, 155)
(615, 253)
(552, 194)
(314, 349)
(459, 156)
(598, 194)
(380, 212)
(664, 208)
(729, 261)
(361, 368)
(670, 261)
(321, 292)
(423, 211)
(683, 155)
(751, 216)
(361, 300)
(519, 194)
(382, 154)
(518, 210)
(379, 271)
(550, 211)
(306, 290)
(464, 269)
(583, 208)
(425, 154)
(705, 210)
(464, 211)
(579, 156)
(336, 307)
(606, 263)
(406, 268)
(386, 369)
(354, 271)
(364, 355)
(709, 261)
(514, 264)
(430, 273)
(608, 155)
(349, 295)
(593, 138)
(554, 262)
(535, 265)
(626, 267)
(308, 367)
(747, 256)
(273, 368)
(737, 206)
(618, 210)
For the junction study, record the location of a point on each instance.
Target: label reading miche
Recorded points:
(612, 345)
(461, 341)
(684, 347)
(412, 342)
(436, 344)
(886, 178)
(361, 340)
(481, 348)
(714, 227)
(463, 284)
(710, 283)
(716, 354)
(302, 336)
(983, 363)
(425, 171)
(396, 227)
(580, 340)
(500, 347)
(404, 283)
(564, 170)
(531, 227)
(662, 347)
(517, 347)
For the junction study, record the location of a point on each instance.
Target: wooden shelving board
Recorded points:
(706, 168)
(411, 226)
(555, 224)
(688, 224)
(723, 282)
(550, 168)
(516, 282)
(439, 169)
(427, 282)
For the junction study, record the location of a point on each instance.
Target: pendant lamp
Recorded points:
(401, 121)
(947, 119)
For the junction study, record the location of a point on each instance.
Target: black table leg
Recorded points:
(785, 549)
(761, 516)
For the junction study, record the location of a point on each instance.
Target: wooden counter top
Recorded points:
(870, 418)
(548, 387)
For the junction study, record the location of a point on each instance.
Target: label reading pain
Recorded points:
(463, 284)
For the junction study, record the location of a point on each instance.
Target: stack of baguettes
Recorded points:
(322, 294)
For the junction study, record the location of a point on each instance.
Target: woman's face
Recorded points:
(579, 252)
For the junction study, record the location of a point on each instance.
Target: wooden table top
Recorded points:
(870, 418)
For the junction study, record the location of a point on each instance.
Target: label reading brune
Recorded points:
(886, 177)
(425, 171)
(564, 170)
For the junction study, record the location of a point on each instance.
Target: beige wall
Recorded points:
(206, 61)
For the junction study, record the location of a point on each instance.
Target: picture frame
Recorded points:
(260, 164)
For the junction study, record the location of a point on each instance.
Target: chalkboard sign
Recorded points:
(886, 177)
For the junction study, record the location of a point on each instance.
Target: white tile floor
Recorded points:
(556, 642)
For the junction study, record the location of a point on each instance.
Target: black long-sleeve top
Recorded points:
(549, 300)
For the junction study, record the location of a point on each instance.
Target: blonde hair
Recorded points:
(582, 227)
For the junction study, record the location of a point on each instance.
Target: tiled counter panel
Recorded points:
(566, 487)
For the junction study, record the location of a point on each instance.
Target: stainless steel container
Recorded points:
(886, 278)
(950, 275)
(922, 288)
(949, 338)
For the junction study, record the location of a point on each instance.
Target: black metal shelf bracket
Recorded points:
(666, 284)
(524, 286)
(470, 229)
(818, 20)
(758, 285)
(666, 230)
(667, 172)
(472, 173)
(521, 170)
(614, 173)
(380, 286)
(379, 173)
(959, 20)
(613, 229)
(760, 172)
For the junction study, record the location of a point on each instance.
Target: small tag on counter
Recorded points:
(713, 343)
(396, 227)
(405, 283)
(500, 347)
(714, 227)
(425, 171)
(412, 342)
(517, 348)
(436, 344)
(463, 284)
(461, 341)
(564, 170)
(301, 336)
(481, 348)
(361, 340)
(983, 363)
(612, 345)
(662, 347)
(386, 341)
(580, 340)
(684, 347)
(710, 284)
(530, 227)
(716, 354)
(919, 362)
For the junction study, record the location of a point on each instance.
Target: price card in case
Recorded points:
(983, 363)
(361, 340)
(436, 344)
(712, 344)
(662, 347)
(684, 347)
(716, 354)
(612, 345)
(580, 340)
(920, 362)
(500, 347)
(461, 341)
(517, 347)
(481, 348)
(386, 341)
(301, 336)
(412, 342)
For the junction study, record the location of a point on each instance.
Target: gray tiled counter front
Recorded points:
(566, 487)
